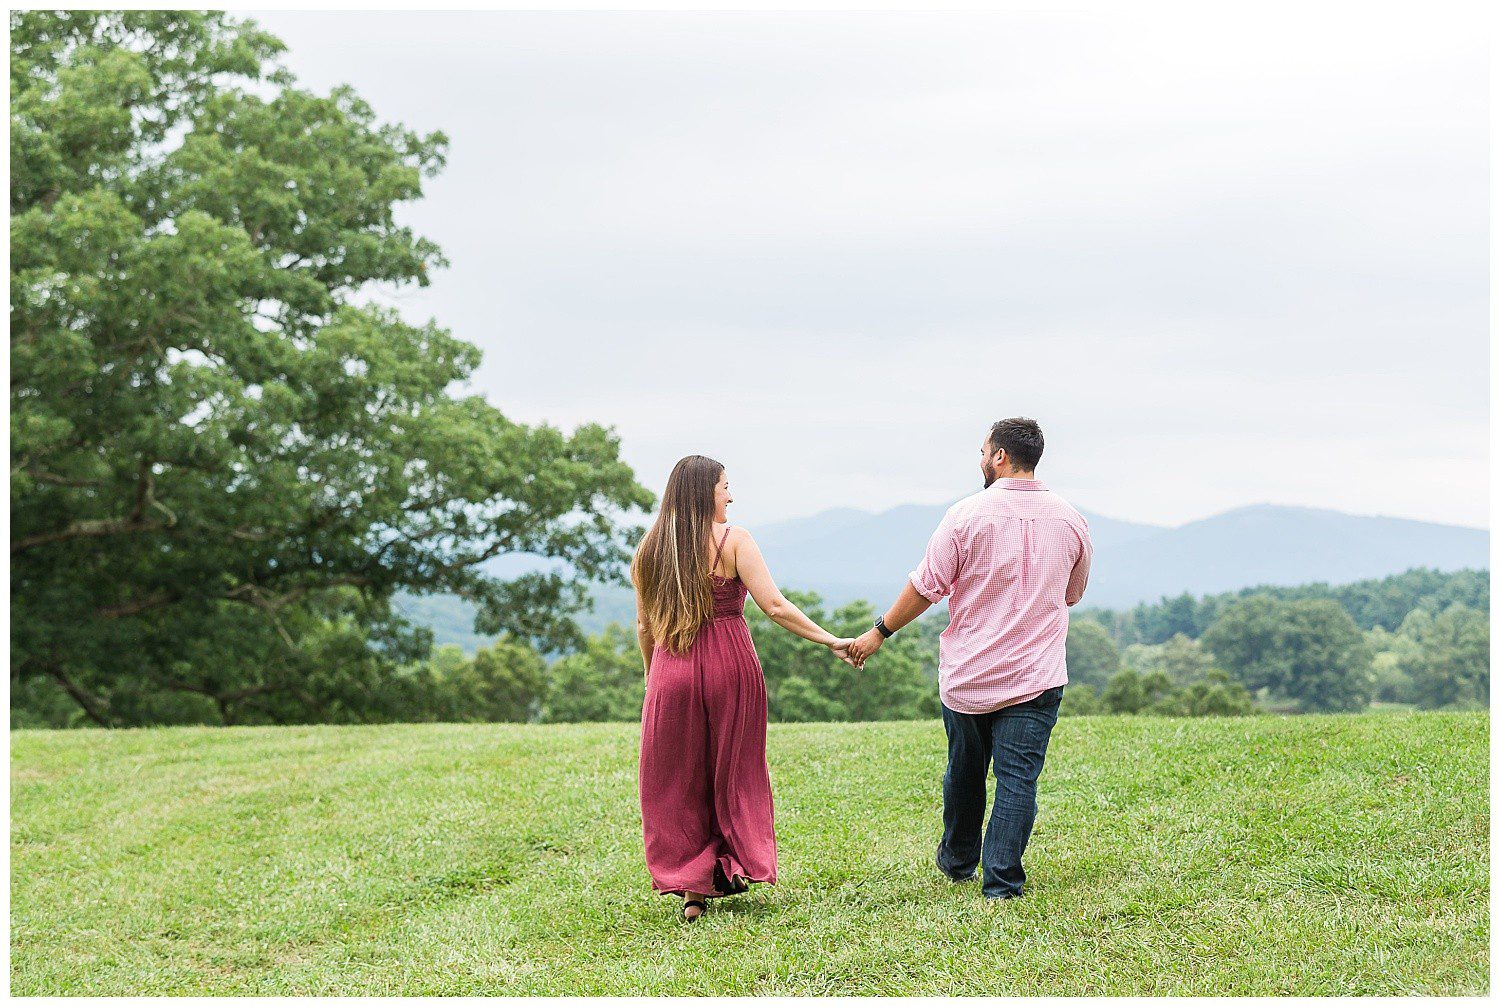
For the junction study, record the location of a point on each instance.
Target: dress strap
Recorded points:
(719, 549)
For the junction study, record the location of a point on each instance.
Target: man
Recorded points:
(1011, 560)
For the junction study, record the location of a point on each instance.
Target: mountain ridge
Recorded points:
(866, 554)
(845, 554)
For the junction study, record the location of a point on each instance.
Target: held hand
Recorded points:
(861, 649)
(840, 650)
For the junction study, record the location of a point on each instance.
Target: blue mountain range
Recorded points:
(846, 554)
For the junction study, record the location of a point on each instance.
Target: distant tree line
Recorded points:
(1383, 602)
(1261, 652)
(1418, 639)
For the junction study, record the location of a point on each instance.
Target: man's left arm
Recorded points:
(935, 576)
(905, 609)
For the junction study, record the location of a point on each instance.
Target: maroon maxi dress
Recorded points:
(705, 788)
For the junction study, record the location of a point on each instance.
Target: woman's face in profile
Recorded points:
(722, 499)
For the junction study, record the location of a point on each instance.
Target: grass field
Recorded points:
(1261, 855)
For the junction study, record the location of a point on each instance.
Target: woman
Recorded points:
(705, 788)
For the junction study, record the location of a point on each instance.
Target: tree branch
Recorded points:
(143, 485)
(133, 524)
(85, 529)
(96, 708)
(256, 595)
(52, 479)
(138, 606)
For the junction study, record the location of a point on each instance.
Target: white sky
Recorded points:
(1221, 262)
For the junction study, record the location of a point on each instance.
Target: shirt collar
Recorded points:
(1012, 483)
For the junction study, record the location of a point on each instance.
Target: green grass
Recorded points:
(1262, 855)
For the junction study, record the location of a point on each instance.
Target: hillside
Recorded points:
(1310, 855)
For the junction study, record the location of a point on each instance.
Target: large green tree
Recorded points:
(1450, 662)
(224, 458)
(1310, 652)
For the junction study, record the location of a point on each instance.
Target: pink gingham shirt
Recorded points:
(1010, 559)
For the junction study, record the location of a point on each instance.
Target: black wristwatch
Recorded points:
(884, 630)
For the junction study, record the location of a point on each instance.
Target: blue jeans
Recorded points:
(1015, 740)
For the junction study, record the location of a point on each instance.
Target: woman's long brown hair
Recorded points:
(670, 569)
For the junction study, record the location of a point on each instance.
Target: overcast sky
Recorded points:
(1221, 263)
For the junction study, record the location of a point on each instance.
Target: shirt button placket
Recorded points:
(1026, 543)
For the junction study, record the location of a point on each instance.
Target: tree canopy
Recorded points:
(1092, 655)
(1309, 652)
(1448, 663)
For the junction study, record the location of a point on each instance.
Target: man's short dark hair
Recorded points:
(1022, 440)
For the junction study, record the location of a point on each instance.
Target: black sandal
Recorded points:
(732, 886)
(703, 906)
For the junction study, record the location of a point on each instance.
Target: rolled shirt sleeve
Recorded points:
(933, 578)
(1078, 580)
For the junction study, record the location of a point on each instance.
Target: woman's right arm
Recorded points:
(751, 566)
(643, 637)
(642, 633)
